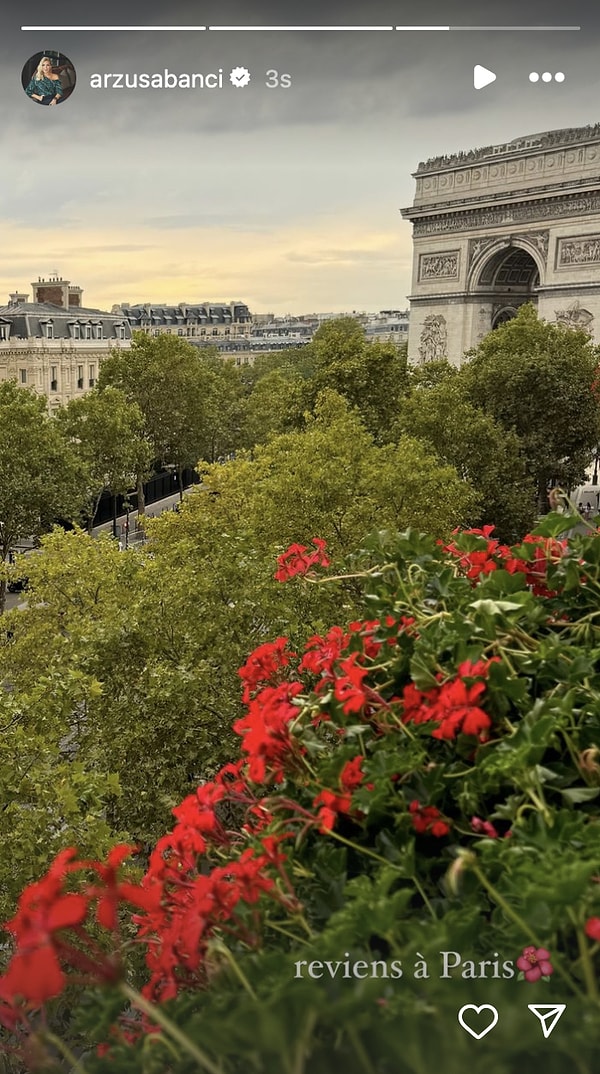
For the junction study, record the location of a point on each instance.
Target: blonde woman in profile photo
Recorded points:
(45, 87)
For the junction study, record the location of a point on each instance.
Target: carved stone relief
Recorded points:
(585, 251)
(539, 239)
(574, 317)
(496, 216)
(439, 266)
(434, 338)
(477, 247)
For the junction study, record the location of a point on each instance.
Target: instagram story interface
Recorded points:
(299, 535)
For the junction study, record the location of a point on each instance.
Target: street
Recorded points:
(16, 600)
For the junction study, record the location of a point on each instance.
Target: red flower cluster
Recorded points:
(298, 560)
(320, 654)
(348, 688)
(352, 774)
(331, 804)
(492, 556)
(427, 820)
(264, 666)
(192, 905)
(47, 912)
(452, 705)
(265, 731)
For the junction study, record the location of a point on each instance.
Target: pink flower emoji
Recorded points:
(535, 963)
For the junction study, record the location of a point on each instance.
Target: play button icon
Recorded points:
(482, 76)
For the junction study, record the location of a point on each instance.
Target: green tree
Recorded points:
(481, 450)
(169, 380)
(371, 376)
(224, 407)
(41, 479)
(270, 408)
(333, 480)
(536, 379)
(109, 435)
(54, 793)
(295, 361)
(153, 640)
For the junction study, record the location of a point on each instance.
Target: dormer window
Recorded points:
(87, 331)
(75, 330)
(48, 329)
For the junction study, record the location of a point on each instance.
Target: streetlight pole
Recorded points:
(127, 507)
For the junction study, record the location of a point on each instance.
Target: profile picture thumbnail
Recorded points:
(48, 77)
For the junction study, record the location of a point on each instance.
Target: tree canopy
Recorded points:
(41, 479)
(108, 434)
(536, 379)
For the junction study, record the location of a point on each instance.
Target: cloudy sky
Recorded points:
(287, 199)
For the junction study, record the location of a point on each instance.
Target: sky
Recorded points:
(287, 199)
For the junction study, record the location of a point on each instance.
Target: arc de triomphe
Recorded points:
(496, 227)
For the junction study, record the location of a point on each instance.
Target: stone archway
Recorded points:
(512, 275)
(502, 315)
(503, 278)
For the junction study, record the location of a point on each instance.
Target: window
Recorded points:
(92, 376)
(80, 376)
(53, 378)
(75, 331)
(4, 331)
(87, 331)
(97, 331)
(120, 331)
(23, 376)
(49, 330)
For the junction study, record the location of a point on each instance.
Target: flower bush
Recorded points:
(412, 825)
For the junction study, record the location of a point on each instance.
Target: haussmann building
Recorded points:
(53, 343)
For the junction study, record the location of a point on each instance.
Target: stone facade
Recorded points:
(503, 225)
(56, 348)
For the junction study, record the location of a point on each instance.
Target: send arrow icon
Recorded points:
(548, 1014)
(482, 76)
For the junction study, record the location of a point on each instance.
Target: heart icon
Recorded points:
(478, 1010)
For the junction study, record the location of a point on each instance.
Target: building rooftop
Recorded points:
(544, 140)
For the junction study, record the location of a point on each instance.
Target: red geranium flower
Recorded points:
(427, 820)
(332, 804)
(298, 560)
(352, 775)
(592, 928)
(44, 910)
(348, 687)
(263, 666)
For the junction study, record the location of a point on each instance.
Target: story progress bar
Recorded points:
(303, 29)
